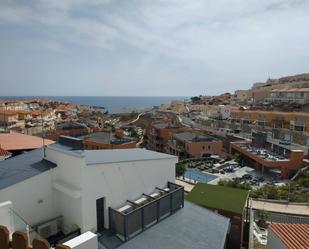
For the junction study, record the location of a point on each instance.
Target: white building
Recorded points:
(126, 191)
(70, 183)
(224, 112)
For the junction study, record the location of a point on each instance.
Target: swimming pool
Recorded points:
(199, 176)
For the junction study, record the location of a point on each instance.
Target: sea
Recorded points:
(112, 104)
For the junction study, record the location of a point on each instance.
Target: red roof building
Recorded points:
(4, 154)
(14, 142)
(288, 236)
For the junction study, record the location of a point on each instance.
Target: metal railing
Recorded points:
(285, 218)
(141, 216)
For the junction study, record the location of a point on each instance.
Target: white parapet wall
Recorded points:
(6, 217)
(87, 240)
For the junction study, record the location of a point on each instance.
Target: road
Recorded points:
(137, 118)
(287, 208)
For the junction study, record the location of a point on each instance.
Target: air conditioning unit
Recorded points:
(50, 228)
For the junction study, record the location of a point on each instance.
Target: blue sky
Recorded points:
(155, 47)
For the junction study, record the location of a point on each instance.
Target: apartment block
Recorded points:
(160, 133)
(8, 118)
(292, 95)
(191, 144)
(297, 121)
(107, 140)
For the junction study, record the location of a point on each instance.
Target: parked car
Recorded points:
(285, 142)
(247, 177)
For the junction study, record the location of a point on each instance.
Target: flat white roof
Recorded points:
(122, 155)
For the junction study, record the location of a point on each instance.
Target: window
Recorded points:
(209, 147)
(203, 147)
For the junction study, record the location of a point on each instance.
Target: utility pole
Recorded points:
(289, 192)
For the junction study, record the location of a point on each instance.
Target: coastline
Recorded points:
(112, 104)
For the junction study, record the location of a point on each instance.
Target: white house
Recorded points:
(72, 183)
(224, 112)
(128, 191)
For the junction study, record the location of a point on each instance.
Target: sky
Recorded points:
(149, 47)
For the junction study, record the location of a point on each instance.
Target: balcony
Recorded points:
(136, 216)
(285, 100)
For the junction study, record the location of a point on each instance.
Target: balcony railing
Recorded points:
(136, 216)
(285, 100)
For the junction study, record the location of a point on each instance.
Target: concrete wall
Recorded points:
(68, 173)
(119, 182)
(70, 209)
(273, 242)
(92, 145)
(197, 149)
(32, 198)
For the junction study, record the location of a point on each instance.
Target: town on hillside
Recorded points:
(226, 171)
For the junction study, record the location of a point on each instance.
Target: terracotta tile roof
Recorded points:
(8, 112)
(4, 153)
(294, 236)
(17, 141)
(23, 112)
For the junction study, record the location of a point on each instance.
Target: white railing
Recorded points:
(260, 234)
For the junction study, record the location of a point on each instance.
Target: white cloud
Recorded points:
(217, 41)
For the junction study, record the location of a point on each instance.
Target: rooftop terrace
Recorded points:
(219, 197)
(193, 137)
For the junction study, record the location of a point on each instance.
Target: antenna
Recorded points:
(42, 134)
(5, 117)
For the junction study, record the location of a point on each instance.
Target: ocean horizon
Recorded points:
(112, 104)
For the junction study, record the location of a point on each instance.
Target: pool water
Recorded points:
(199, 176)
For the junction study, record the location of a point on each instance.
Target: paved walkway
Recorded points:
(188, 187)
(290, 208)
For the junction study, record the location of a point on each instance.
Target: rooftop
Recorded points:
(165, 125)
(70, 125)
(68, 146)
(183, 229)
(22, 167)
(219, 197)
(8, 112)
(294, 236)
(106, 138)
(193, 137)
(122, 155)
(17, 141)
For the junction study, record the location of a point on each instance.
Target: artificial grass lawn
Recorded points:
(219, 197)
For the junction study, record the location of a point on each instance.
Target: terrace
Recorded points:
(136, 216)
(262, 157)
(264, 154)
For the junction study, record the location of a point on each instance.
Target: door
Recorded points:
(100, 214)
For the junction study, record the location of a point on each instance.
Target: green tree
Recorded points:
(180, 169)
